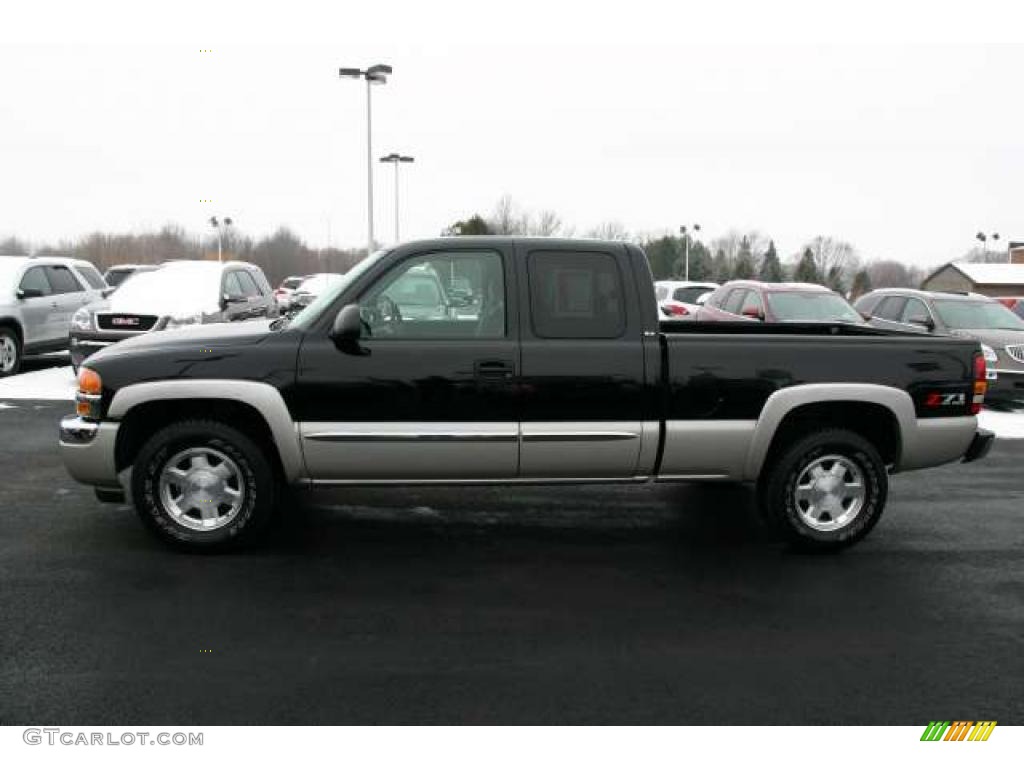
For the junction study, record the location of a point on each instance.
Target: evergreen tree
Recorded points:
(744, 268)
(771, 266)
(663, 256)
(861, 284)
(720, 268)
(474, 225)
(806, 270)
(834, 279)
(701, 268)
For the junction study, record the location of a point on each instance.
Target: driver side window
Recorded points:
(440, 295)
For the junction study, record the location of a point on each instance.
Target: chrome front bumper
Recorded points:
(87, 449)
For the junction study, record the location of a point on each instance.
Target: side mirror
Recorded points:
(922, 321)
(703, 298)
(107, 291)
(866, 315)
(754, 313)
(29, 293)
(348, 324)
(227, 299)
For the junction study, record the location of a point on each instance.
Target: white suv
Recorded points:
(38, 296)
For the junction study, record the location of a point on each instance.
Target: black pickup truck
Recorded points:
(515, 360)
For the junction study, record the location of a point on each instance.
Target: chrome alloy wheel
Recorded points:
(202, 489)
(8, 354)
(829, 493)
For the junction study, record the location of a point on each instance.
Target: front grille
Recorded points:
(1016, 351)
(118, 322)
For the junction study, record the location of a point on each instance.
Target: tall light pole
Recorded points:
(395, 159)
(983, 238)
(219, 225)
(686, 246)
(375, 75)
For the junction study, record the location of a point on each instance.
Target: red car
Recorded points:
(778, 303)
(1014, 303)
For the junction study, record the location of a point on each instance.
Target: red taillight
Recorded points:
(677, 309)
(980, 382)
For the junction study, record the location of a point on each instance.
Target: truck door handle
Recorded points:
(494, 369)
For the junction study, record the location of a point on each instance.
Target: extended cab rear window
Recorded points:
(576, 295)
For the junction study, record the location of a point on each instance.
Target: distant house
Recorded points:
(989, 279)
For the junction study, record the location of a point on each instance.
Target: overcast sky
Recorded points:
(902, 138)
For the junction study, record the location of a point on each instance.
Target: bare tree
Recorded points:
(547, 223)
(507, 219)
(12, 246)
(609, 230)
(836, 260)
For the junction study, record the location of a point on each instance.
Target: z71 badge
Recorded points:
(945, 399)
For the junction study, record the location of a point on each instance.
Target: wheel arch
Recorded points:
(882, 415)
(9, 321)
(254, 408)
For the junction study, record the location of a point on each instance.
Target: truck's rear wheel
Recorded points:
(203, 485)
(827, 491)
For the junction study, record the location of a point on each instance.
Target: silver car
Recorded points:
(38, 296)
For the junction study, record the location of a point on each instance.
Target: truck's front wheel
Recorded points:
(827, 490)
(203, 485)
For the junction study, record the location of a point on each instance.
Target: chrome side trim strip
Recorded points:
(403, 437)
(577, 437)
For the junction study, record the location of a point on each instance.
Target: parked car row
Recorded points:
(50, 304)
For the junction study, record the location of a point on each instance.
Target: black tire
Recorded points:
(8, 336)
(779, 487)
(256, 479)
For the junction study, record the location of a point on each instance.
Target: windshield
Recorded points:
(800, 307)
(117, 276)
(991, 315)
(311, 313)
(318, 283)
(690, 293)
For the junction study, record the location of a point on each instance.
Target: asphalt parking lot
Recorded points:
(605, 604)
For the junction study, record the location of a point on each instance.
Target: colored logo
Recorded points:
(958, 730)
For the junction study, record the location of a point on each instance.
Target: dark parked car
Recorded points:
(778, 303)
(561, 374)
(176, 294)
(968, 315)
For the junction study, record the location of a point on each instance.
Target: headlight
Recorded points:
(989, 353)
(82, 320)
(183, 320)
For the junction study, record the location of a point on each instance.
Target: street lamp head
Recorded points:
(350, 72)
(392, 158)
(227, 221)
(379, 70)
(981, 236)
(213, 221)
(410, 159)
(696, 227)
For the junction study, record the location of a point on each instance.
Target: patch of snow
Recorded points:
(1006, 425)
(44, 384)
